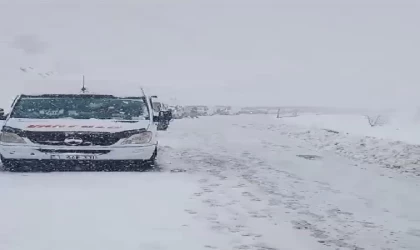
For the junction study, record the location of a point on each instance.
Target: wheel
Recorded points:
(160, 127)
(13, 166)
(151, 162)
(163, 126)
(148, 164)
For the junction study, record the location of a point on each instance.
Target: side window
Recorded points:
(157, 106)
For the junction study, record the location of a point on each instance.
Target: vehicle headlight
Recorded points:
(142, 138)
(6, 137)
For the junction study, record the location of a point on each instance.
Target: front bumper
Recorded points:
(29, 152)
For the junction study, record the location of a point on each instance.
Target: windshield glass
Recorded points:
(81, 107)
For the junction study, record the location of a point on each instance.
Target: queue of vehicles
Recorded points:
(88, 130)
(81, 130)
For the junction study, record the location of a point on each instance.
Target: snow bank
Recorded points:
(395, 145)
(397, 127)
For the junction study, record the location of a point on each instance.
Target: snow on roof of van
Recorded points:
(117, 94)
(65, 89)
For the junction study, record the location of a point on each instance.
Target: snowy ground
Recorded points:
(248, 182)
(396, 127)
(395, 145)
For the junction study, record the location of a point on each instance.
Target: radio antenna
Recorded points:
(84, 89)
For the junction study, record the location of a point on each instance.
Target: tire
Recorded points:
(12, 166)
(162, 126)
(148, 164)
(152, 161)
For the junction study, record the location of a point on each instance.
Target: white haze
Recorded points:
(359, 53)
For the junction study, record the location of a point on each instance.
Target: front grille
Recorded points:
(89, 139)
(74, 151)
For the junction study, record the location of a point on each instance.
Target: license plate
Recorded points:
(74, 157)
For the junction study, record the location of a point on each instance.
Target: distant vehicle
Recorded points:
(253, 111)
(166, 119)
(195, 111)
(54, 131)
(222, 110)
(202, 110)
(163, 111)
(178, 112)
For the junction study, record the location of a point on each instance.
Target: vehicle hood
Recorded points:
(91, 125)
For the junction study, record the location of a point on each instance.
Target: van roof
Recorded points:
(64, 86)
(81, 95)
(77, 92)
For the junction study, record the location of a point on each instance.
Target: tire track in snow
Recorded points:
(273, 192)
(315, 223)
(289, 200)
(234, 210)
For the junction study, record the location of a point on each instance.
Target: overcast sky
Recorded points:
(358, 53)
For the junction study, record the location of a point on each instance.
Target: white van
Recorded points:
(87, 131)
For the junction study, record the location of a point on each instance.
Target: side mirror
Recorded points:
(168, 115)
(163, 116)
(156, 118)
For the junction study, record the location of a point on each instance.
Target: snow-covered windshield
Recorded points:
(81, 107)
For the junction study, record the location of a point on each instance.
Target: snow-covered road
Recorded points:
(245, 183)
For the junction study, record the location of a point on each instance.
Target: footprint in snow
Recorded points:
(178, 170)
(190, 211)
(309, 157)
